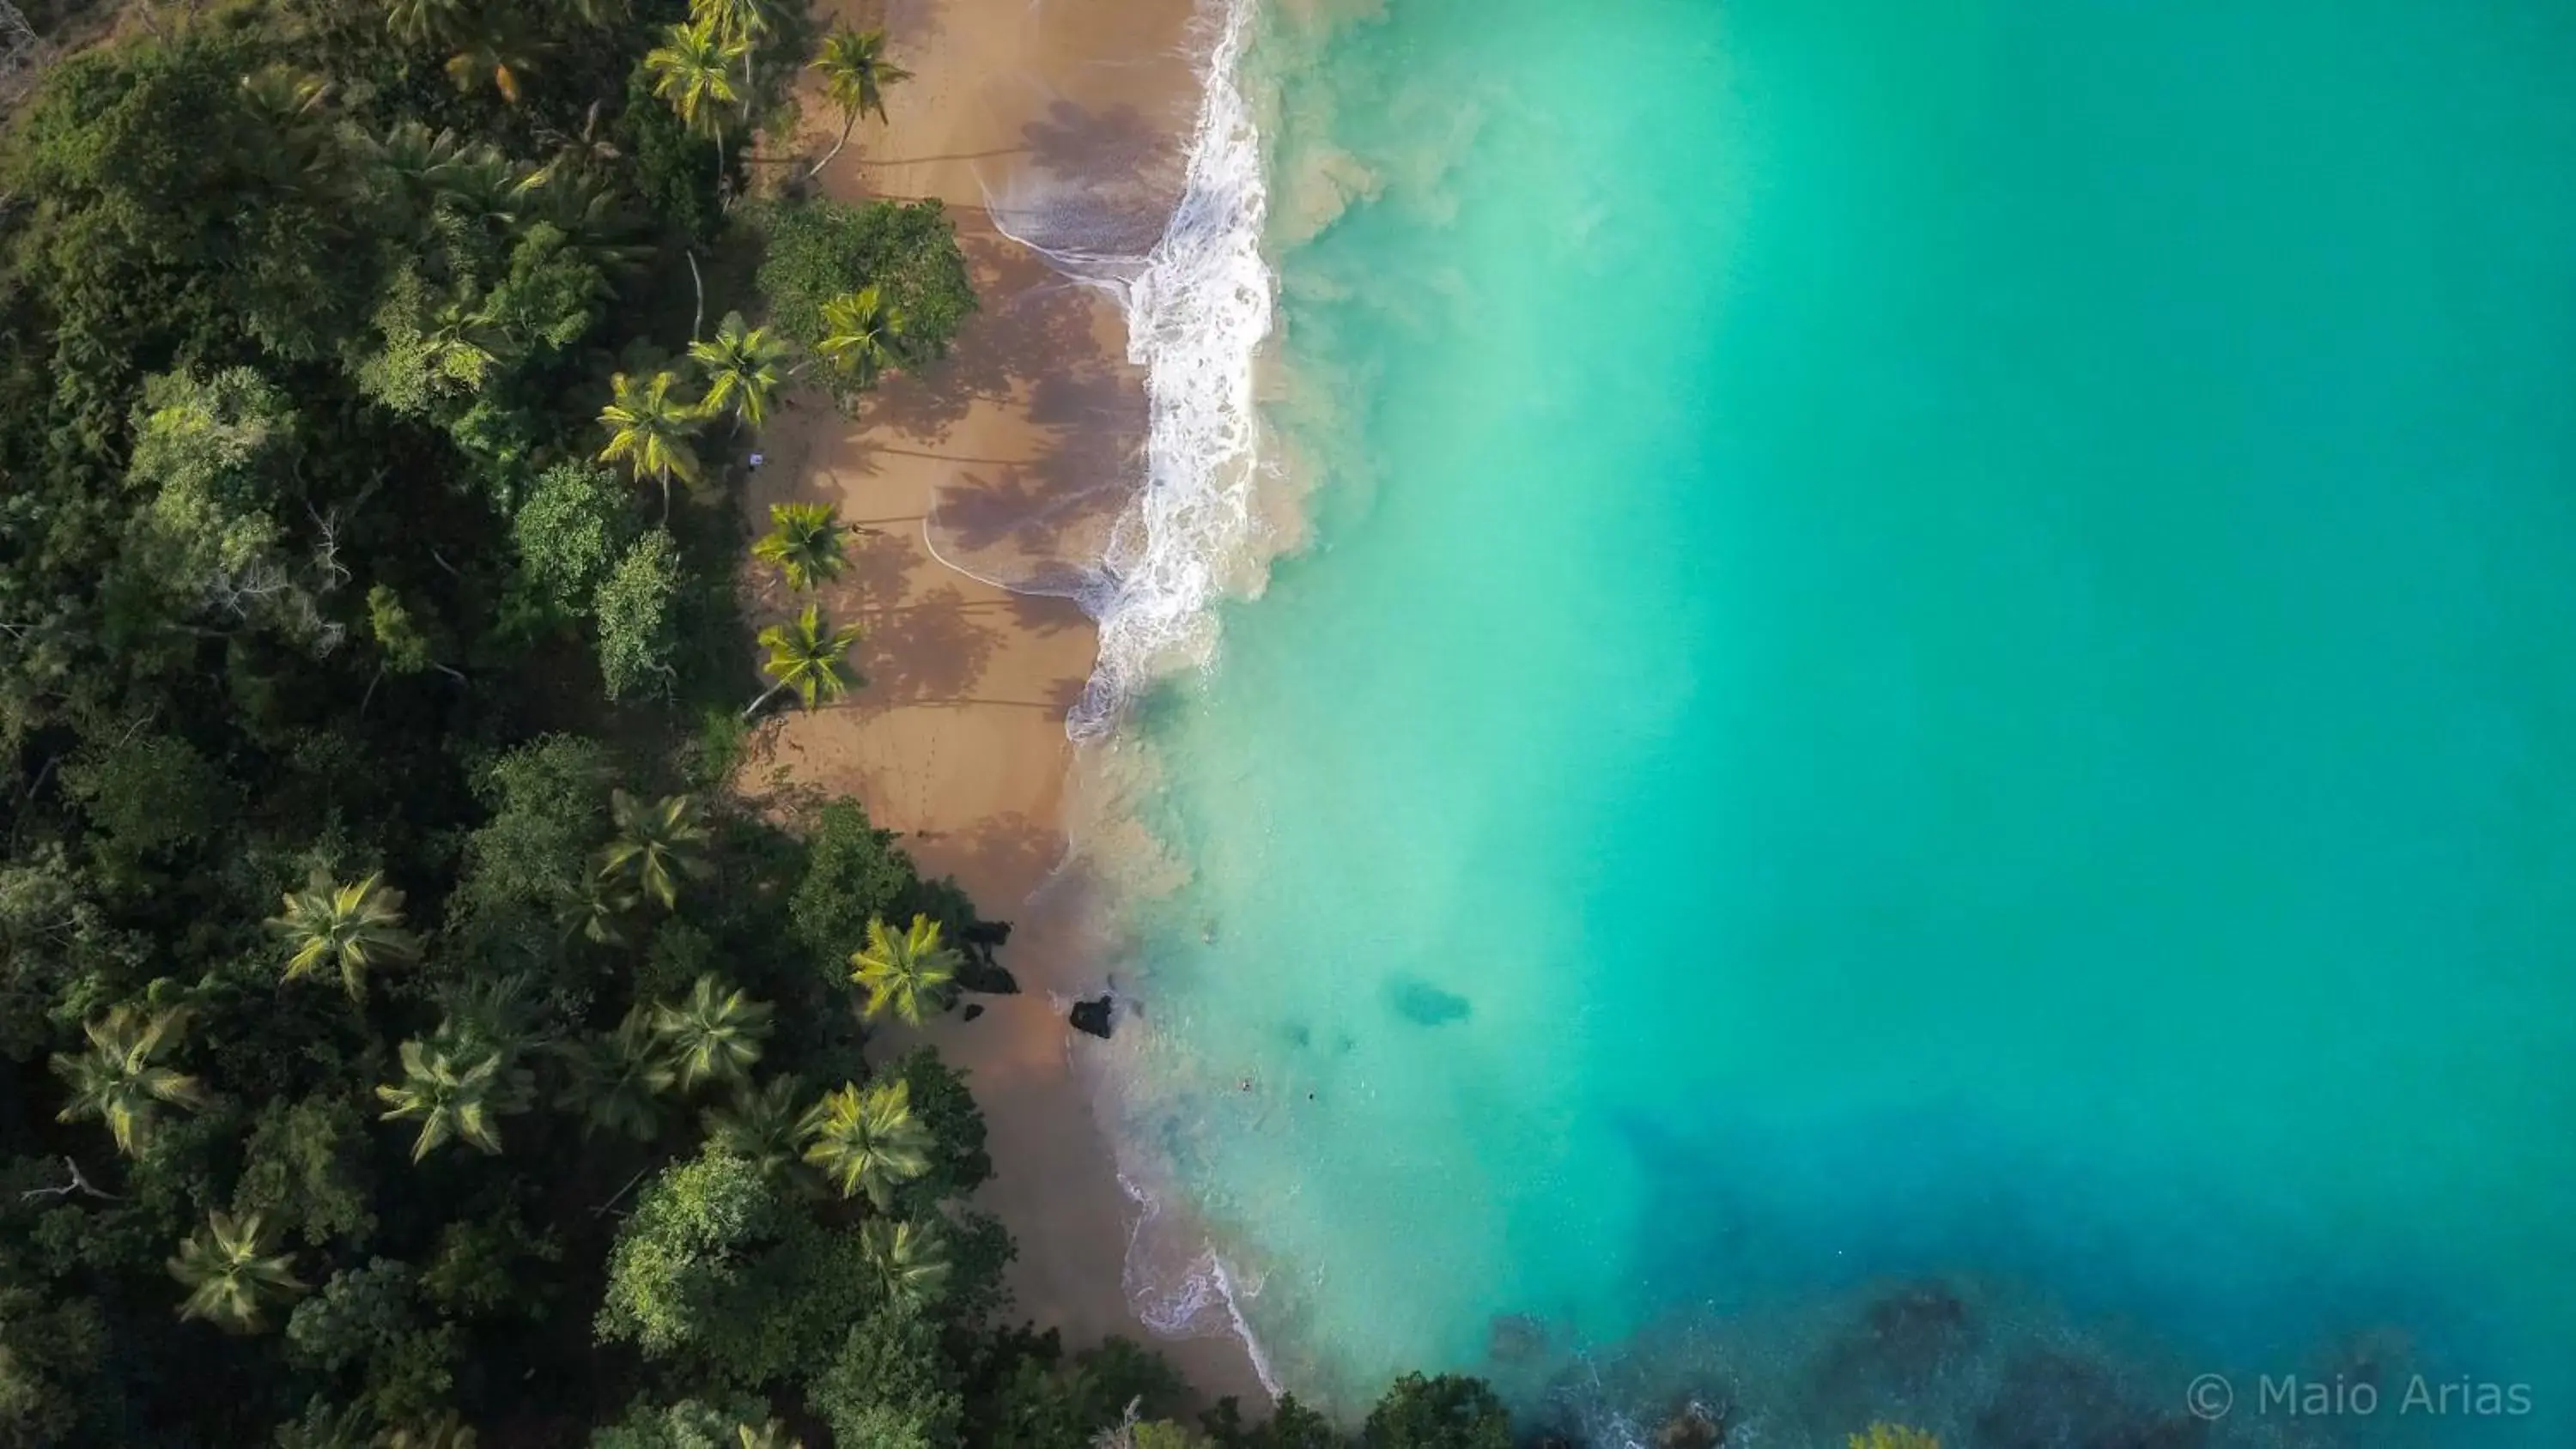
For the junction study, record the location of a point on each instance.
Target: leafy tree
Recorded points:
(803, 543)
(346, 928)
(452, 1095)
(655, 845)
(1291, 1425)
(649, 431)
(742, 367)
(305, 1168)
(633, 610)
(762, 1125)
(855, 77)
(568, 534)
(890, 1385)
(854, 873)
(863, 336)
(715, 1034)
(50, 1354)
(688, 1424)
(805, 657)
(940, 1098)
(231, 1277)
(118, 1081)
(868, 1140)
(908, 974)
(815, 251)
(1447, 1412)
(148, 793)
(908, 1258)
(616, 1079)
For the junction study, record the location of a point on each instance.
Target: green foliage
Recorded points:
(803, 543)
(638, 633)
(906, 973)
(49, 1351)
(1291, 1425)
(867, 1140)
(718, 1268)
(148, 793)
(406, 645)
(569, 535)
(820, 250)
(120, 1080)
(348, 929)
(305, 1168)
(688, 1424)
(806, 658)
(889, 1386)
(1446, 1412)
(855, 873)
(549, 809)
(232, 1278)
(714, 1034)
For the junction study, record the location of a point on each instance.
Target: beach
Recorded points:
(1008, 460)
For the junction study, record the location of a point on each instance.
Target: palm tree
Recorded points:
(855, 77)
(692, 69)
(746, 21)
(116, 1080)
(497, 48)
(868, 1141)
(762, 1125)
(804, 542)
(348, 927)
(715, 1034)
(862, 335)
(655, 844)
(230, 1275)
(909, 974)
(449, 1096)
(616, 1079)
(741, 366)
(910, 1260)
(447, 1431)
(649, 429)
(597, 909)
(772, 1435)
(805, 658)
(422, 21)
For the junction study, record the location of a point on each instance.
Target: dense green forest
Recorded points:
(407, 1036)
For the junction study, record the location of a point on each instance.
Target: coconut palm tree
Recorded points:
(616, 1079)
(349, 928)
(693, 70)
(741, 365)
(447, 1431)
(649, 431)
(772, 1435)
(909, 974)
(909, 1259)
(231, 1277)
(715, 1034)
(745, 21)
(862, 335)
(117, 1081)
(763, 1125)
(422, 21)
(597, 909)
(856, 75)
(868, 1141)
(654, 845)
(496, 47)
(806, 658)
(451, 1095)
(803, 542)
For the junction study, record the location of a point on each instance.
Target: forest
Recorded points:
(410, 1034)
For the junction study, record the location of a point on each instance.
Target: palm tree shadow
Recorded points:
(929, 651)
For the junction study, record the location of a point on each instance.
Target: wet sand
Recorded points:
(1008, 458)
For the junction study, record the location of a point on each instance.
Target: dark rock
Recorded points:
(1424, 1004)
(1093, 1016)
(1692, 1426)
(972, 1011)
(985, 978)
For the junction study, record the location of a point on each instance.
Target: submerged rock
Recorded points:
(972, 1011)
(1424, 1004)
(1093, 1015)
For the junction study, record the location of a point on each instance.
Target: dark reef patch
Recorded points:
(1424, 1004)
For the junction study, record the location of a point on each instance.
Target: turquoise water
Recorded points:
(1939, 640)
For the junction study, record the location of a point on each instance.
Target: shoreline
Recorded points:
(1006, 460)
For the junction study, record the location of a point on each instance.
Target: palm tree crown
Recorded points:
(618, 1077)
(856, 73)
(452, 1092)
(117, 1081)
(693, 70)
(908, 1259)
(908, 974)
(715, 1034)
(654, 844)
(741, 366)
(805, 658)
(648, 429)
(230, 1275)
(862, 335)
(347, 927)
(803, 543)
(762, 1125)
(868, 1141)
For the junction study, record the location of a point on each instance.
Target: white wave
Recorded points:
(1197, 313)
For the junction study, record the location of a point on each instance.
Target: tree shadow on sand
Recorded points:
(928, 651)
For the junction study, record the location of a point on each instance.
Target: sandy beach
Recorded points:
(1008, 458)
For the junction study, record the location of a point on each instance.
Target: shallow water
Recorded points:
(1939, 641)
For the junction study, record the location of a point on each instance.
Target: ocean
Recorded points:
(1862, 710)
